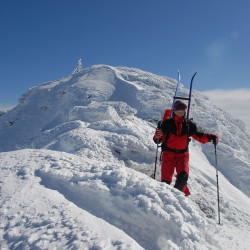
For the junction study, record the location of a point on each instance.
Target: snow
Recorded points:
(76, 159)
(79, 67)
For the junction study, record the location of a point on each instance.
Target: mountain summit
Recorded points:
(103, 95)
(85, 141)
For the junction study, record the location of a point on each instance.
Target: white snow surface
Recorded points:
(76, 159)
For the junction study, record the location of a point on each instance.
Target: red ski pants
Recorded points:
(179, 162)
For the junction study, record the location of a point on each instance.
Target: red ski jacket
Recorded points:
(176, 134)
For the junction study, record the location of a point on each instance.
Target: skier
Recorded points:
(173, 134)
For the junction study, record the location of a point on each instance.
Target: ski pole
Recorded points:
(156, 155)
(217, 178)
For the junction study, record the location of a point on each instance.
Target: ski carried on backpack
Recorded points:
(176, 92)
(176, 97)
(169, 112)
(190, 94)
(185, 98)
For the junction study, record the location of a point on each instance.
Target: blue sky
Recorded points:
(42, 40)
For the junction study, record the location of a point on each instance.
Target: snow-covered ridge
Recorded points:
(87, 133)
(103, 96)
(51, 197)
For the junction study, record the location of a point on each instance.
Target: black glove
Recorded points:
(213, 138)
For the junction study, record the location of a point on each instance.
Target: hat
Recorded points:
(178, 105)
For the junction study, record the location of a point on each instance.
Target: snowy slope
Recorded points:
(52, 199)
(76, 187)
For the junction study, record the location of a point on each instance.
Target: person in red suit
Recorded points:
(174, 135)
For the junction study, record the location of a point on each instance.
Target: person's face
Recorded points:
(180, 113)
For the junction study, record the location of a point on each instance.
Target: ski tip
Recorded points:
(193, 76)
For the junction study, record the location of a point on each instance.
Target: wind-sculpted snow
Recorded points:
(35, 217)
(104, 98)
(127, 204)
(104, 117)
(148, 211)
(53, 199)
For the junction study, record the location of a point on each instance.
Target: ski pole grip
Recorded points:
(214, 142)
(159, 124)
